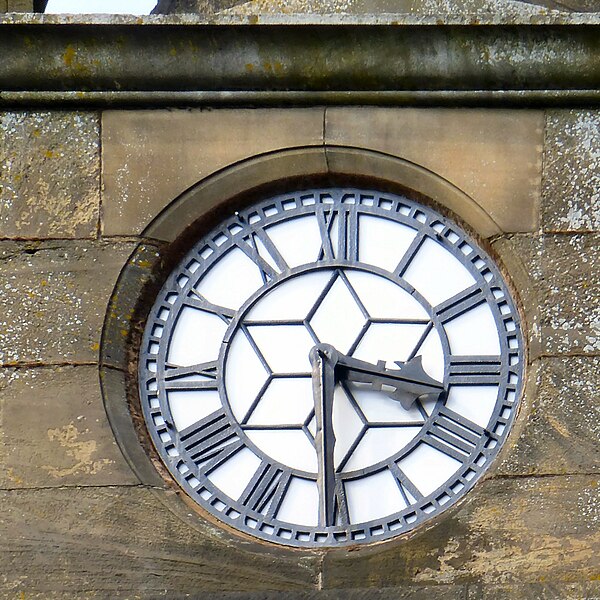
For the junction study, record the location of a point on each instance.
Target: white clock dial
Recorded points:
(330, 367)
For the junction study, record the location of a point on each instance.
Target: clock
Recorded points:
(331, 367)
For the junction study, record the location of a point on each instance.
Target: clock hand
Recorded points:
(408, 383)
(323, 360)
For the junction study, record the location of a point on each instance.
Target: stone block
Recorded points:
(150, 158)
(408, 592)
(494, 156)
(346, 164)
(508, 531)
(55, 430)
(516, 265)
(560, 433)
(122, 542)
(19, 6)
(571, 178)
(49, 174)
(588, 590)
(571, 294)
(565, 269)
(404, 593)
(204, 202)
(54, 299)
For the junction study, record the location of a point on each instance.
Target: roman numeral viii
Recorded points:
(210, 441)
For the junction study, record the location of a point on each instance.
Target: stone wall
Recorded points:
(78, 519)
(95, 162)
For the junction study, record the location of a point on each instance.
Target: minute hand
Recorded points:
(407, 383)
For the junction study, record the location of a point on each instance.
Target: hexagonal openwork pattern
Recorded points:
(331, 367)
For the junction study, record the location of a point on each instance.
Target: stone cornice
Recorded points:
(49, 60)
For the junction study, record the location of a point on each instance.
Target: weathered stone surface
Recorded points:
(571, 307)
(54, 298)
(565, 269)
(124, 542)
(438, 592)
(516, 266)
(17, 5)
(561, 434)
(137, 283)
(55, 431)
(589, 590)
(440, 7)
(49, 174)
(409, 592)
(511, 531)
(493, 156)
(539, 591)
(129, 427)
(571, 181)
(514, 533)
(149, 158)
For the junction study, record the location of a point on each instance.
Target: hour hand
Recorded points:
(405, 385)
(323, 359)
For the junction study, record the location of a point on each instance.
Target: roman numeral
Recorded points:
(405, 485)
(325, 220)
(339, 234)
(196, 300)
(460, 303)
(211, 439)
(271, 265)
(271, 248)
(248, 247)
(410, 253)
(174, 377)
(474, 370)
(347, 223)
(453, 434)
(342, 514)
(266, 490)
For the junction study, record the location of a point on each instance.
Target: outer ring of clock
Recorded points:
(207, 252)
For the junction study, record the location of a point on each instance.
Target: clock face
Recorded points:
(331, 367)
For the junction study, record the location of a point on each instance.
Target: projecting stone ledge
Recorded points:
(280, 59)
(440, 7)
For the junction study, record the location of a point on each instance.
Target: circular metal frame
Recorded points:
(483, 443)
